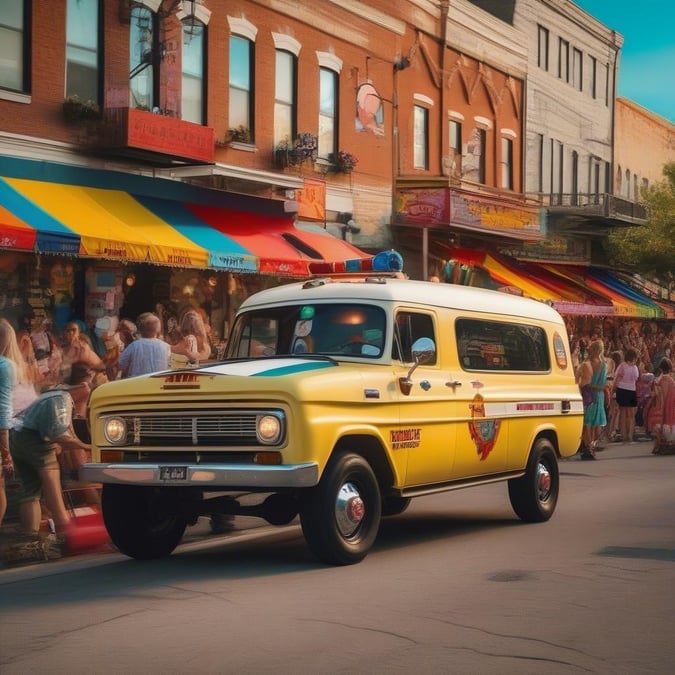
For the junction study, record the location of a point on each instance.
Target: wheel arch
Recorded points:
(371, 449)
(549, 433)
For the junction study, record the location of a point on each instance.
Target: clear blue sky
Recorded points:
(647, 65)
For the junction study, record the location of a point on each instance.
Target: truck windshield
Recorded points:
(328, 329)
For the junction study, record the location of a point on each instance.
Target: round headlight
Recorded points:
(268, 429)
(115, 430)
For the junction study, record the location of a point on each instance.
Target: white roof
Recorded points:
(403, 291)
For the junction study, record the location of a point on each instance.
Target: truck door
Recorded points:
(427, 428)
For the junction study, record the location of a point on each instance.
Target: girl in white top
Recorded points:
(625, 388)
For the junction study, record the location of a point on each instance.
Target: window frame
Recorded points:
(578, 68)
(153, 64)
(420, 137)
(329, 123)
(290, 105)
(23, 55)
(98, 93)
(201, 78)
(455, 145)
(543, 47)
(246, 118)
(506, 161)
(564, 63)
(488, 336)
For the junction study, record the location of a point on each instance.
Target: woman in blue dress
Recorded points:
(592, 379)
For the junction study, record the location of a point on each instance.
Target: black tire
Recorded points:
(393, 506)
(340, 517)
(142, 522)
(534, 496)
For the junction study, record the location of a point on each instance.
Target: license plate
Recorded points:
(173, 472)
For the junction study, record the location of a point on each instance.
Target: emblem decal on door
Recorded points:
(483, 431)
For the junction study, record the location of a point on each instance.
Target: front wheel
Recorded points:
(534, 496)
(340, 517)
(143, 522)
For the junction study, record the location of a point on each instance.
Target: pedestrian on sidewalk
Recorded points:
(592, 379)
(148, 353)
(625, 388)
(7, 382)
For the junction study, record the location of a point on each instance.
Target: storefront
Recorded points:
(85, 251)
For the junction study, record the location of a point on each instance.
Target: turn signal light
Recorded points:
(267, 458)
(111, 456)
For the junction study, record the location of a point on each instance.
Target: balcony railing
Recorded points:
(594, 205)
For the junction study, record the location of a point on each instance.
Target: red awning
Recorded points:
(281, 248)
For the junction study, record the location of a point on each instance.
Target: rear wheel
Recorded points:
(534, 496)
(340, 517)
(143, 522)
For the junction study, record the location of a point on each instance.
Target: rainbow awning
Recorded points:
(534, 282)
(111, 224)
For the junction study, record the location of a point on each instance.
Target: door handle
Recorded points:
(454, 384)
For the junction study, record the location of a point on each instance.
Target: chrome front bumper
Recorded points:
(204, 475)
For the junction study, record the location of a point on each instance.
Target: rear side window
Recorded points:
(497, 345)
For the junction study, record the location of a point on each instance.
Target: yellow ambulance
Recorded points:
(339, 400)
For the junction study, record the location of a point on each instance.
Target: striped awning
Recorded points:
(111, 224)
(531, 281)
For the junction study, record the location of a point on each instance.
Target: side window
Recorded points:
(496, 345)
(408, 327)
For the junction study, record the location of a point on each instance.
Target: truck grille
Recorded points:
(200, 428)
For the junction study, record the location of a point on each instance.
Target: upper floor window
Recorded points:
(594, 77)
(142, 58)
(14, 52)
(241, 83)
(564, 60)
(542, 47)
(192, 85)
(455, 148)
(82, 49)
(421, 137)
(507, 163)
(328, 112)
(578, 69)
(557, 168)
(473, 162)
(285, 96)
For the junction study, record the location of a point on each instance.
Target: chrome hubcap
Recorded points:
(349, 509)
(543, 482)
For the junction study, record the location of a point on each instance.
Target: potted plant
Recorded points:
(292, 153)
(76, 109)
(345, 161)
(239, 134)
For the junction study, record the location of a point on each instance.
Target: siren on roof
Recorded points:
(385, 261)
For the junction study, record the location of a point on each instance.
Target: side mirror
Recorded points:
(423, 351)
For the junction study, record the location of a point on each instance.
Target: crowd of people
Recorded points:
(35, 362)
(625, 374)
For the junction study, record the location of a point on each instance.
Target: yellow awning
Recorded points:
(112, 224)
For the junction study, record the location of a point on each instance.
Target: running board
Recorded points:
(419, 490)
